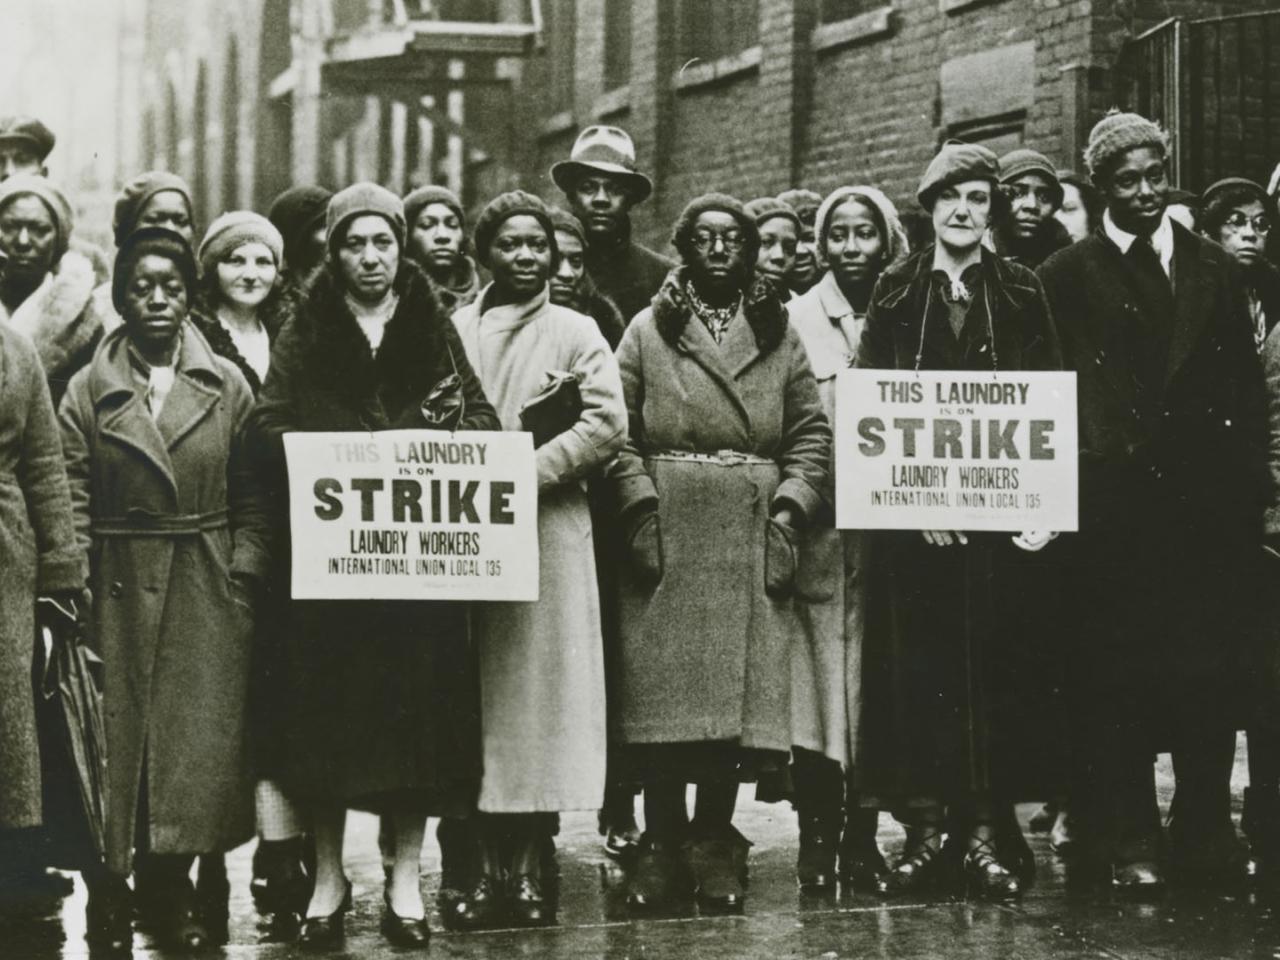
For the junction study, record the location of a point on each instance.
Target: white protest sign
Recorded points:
(956, 450)
(413, 515)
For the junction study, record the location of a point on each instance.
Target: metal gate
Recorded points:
(1214, 84)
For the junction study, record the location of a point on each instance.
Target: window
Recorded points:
(712, 29)
(561, 46)
(617, 44)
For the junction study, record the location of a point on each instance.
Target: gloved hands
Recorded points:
(643, 537)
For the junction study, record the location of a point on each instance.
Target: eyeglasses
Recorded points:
(1238, 221)
(733, 240)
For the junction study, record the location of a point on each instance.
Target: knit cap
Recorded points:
(418, 200)
(766, 208)
(160, 241)
(361, 199)
(725, 204)
(955, 163)
(1016, 163)
(30, 185)
(1117, 133)
(501, 209)
(236, 228)
(137, 192)
(897, 246)
(566, 222)
(804, 202)
(296, 213)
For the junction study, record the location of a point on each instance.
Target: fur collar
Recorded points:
(54, 316)
(762, 306)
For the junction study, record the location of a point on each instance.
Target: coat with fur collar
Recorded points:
(372, 698)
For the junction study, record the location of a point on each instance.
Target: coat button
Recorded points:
(117, 589)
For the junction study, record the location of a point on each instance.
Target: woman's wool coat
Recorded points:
(952, 658)
(826, 667)
(542, 663)
(169, 509)
(38, 555)
(706, 654)
(375, 697)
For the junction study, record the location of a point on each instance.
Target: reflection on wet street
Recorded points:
(1055, 920)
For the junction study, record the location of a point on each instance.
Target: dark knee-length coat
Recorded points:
(376, 697)
(169, 508)
(706, 655)
(38, 555)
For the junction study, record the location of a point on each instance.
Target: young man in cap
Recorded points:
(601, 184)
(1172, 428)
(25, 143)
(1028, 231)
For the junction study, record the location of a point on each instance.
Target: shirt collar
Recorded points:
(1161, 239)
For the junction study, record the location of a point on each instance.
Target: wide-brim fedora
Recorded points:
(603, 149)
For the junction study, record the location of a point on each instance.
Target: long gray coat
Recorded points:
(706, 656)
(168, 509)
(38, 554)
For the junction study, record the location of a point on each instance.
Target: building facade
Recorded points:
(244, 97)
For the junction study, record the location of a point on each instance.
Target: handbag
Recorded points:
(555, 408)
(445, 405)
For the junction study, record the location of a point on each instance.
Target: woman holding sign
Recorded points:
(941, 639)
(859, 234)
(176, 526)
(728, 455)
(541, 664)
(378, 698)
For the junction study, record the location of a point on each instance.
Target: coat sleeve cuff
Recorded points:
(793, 490)
(61, 573)
(635, 493)
(251, 562)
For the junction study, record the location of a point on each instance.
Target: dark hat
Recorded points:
(766, 208)
(296, 213)
(418, 200)
(723, 203)
(30, 131)
(1016, 163)
(53, 198)
(157, 241)
(1235, 184)
(804, 202)
(501, 209)
(566, 222)
(955, 163)
(1116, 134)
(362, 199)
(135, 194)
(603, 149)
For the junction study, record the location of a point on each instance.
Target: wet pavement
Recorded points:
(1052, 921)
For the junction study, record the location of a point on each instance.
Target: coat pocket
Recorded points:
(819, 565)
(779, 561)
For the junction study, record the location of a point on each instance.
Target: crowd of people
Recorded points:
(702, 622)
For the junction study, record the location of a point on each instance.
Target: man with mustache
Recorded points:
(1028, 232)
(1171, 402)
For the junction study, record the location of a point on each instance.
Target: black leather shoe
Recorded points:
(1142, 878)
(109, 919)
(526, 903)
(717, 866)
(403, 932)
(281, 883)
(816, 861)
(922, 869)
(986, 878)
(213, 893)
(482, 906)
(659, 875)
(323, 933)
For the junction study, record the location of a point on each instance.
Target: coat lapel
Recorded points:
(714, 357)
(1192, 288)
(192, 396)
(131, 424)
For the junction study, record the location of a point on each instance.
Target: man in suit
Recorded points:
(1154, 321)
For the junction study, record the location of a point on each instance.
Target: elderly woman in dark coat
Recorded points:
(728, 454)
(941, 629)
(167, 504)
(380, 699)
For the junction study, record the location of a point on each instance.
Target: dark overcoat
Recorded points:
(376, 697)
(1171, 487)
(169, 509)
(706, 655)
(38, 555)
(626, 271)
(947, 654)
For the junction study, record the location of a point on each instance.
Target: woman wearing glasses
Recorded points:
(727, 457)
(1235, 213)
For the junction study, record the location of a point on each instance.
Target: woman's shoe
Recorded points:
(482, 907)
(923, 869)
(213, 893)
(281, 883)
(322, 933)
(816, 861)
(180, 926)
(404, 932)
(109, 918)
(861, 862)
(526, 903)
(986, 877)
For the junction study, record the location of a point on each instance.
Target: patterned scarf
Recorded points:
(715, 319)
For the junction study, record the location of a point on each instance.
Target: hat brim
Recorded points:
(566, 171)
(40, 149)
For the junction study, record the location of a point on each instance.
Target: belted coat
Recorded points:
(169, 508)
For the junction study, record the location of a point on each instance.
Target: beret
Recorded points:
(235, 228)
(502, 208)
(955, 163)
